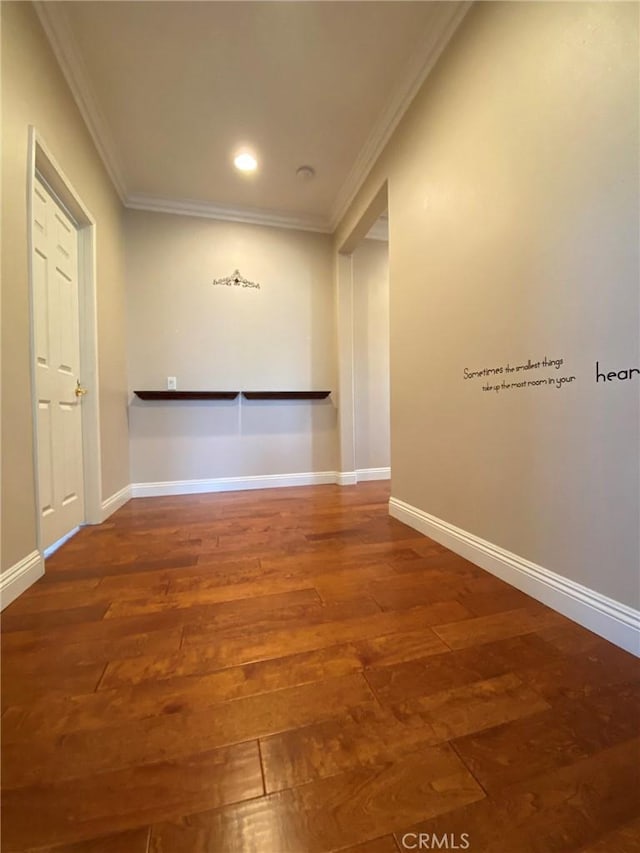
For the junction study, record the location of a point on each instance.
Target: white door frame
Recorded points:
(41, 161)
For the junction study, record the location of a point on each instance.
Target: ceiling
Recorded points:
(170, 90)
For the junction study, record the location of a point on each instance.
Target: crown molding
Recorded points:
(438, 34)
(247, 215)
(56, 26)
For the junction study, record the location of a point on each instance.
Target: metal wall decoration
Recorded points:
(236, 280)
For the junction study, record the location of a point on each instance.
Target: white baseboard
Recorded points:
(236, 484)
(19, 577)
(116, 501)
(53, 548)
(363, 474)
(231, 484)
(345, 478)
(610, 619)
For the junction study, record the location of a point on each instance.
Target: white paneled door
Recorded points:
(57, 368)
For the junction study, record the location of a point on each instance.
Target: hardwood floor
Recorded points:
(292, 671)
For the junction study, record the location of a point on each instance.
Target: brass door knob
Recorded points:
(80, 391)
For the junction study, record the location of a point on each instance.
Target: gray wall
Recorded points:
(278, 337)
(513, 208)
(34, 93)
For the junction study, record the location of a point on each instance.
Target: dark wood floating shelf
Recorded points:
(187, 395)
(286, 395)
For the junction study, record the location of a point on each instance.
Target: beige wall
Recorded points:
(513, 205)
(513, 208)
(34, 93)
(371, 354)
(280, 337)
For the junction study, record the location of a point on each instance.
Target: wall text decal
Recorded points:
(613, 375)
(523, 375)
(235, 280)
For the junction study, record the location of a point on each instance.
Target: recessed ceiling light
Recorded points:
(305, 173)
(245, 162)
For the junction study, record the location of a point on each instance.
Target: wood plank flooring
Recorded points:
(292, 671)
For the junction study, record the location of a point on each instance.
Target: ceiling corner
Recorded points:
(53, 19)
(419, 66)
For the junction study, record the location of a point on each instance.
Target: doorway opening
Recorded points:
(371, 404)
(363, 343)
